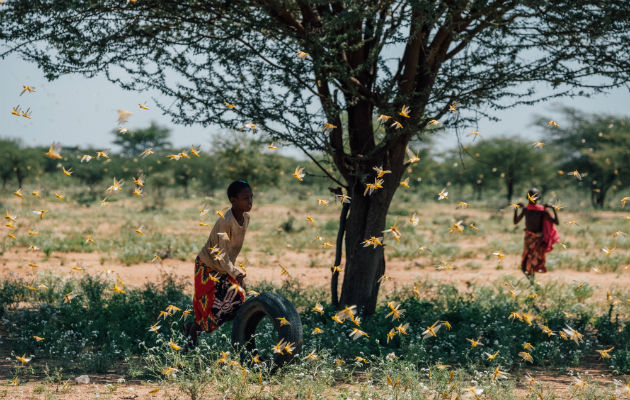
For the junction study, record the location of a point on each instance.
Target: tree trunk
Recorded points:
(509, 181)
(345, 207)
(598, 198)
(601, 196)
(92, 193)
(366, 265)
(19, 176)
(478, 190)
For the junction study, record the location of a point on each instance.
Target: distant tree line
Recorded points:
(592, 152)
(162, 165)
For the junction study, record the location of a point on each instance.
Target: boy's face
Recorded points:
(243, 201)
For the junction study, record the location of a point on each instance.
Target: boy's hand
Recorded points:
(241, 281)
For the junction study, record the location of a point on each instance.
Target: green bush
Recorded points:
(92, 330)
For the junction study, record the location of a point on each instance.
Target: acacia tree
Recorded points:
(510, 161)
(359, 57)
(17, 160)
(10, 149)
(463, 171)
(134, 142)
(598, 147)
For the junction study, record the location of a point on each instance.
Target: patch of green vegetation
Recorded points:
(88, 326)
(85, 324)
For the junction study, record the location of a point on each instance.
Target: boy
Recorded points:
(219, 283)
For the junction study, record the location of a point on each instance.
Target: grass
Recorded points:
(279, 222)
(597, 262)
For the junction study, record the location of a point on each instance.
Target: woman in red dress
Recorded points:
(540, 233)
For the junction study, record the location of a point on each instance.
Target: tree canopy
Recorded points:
(134, 142)
(380, 55)
(509, 161)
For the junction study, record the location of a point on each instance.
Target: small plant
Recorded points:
(55, 378)
(288, 225)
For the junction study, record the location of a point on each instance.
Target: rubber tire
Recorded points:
(252, 312)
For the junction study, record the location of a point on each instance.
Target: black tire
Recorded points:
(252, 312)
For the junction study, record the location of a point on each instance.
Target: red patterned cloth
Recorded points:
(533, 259)
(215, 302)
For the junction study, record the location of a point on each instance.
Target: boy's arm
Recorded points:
(554, 219)
(220, 260)
(227, 265)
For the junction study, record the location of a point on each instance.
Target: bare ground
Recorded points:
(113, 386)
(14, 263)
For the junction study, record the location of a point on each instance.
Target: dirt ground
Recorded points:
(307, 264)
(14, 263)
(116, 387)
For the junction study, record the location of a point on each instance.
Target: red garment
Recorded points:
(549, 232)
(215, 302)
(533, 259)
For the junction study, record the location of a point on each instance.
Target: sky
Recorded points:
(74, 110)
